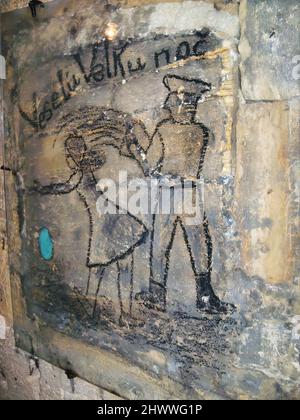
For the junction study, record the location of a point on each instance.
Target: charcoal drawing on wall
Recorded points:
(142, 111)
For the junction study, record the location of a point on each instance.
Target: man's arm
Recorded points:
(155, 152)
(137, 142)
(208, 138)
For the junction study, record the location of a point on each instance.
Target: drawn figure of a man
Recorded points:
(177, 150)
(92, 136)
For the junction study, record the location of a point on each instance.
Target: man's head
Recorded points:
(183, 96)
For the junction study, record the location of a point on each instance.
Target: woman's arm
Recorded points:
(60, 187)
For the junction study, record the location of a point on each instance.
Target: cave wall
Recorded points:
(252, 169)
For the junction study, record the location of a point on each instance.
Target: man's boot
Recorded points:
(207, 300)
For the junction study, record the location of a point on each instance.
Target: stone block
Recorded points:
(268, 47)
(262, 190)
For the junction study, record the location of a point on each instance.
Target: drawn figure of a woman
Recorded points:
(92, 134)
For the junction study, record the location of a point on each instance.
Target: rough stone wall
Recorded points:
(266, 214)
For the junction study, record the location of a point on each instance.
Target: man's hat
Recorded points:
(193, 87)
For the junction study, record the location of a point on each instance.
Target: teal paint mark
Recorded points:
(46, 244)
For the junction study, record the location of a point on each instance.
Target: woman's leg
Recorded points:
(125, 284)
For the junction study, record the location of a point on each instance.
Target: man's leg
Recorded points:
(164, 229)
(100, 274)
(199, 245)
